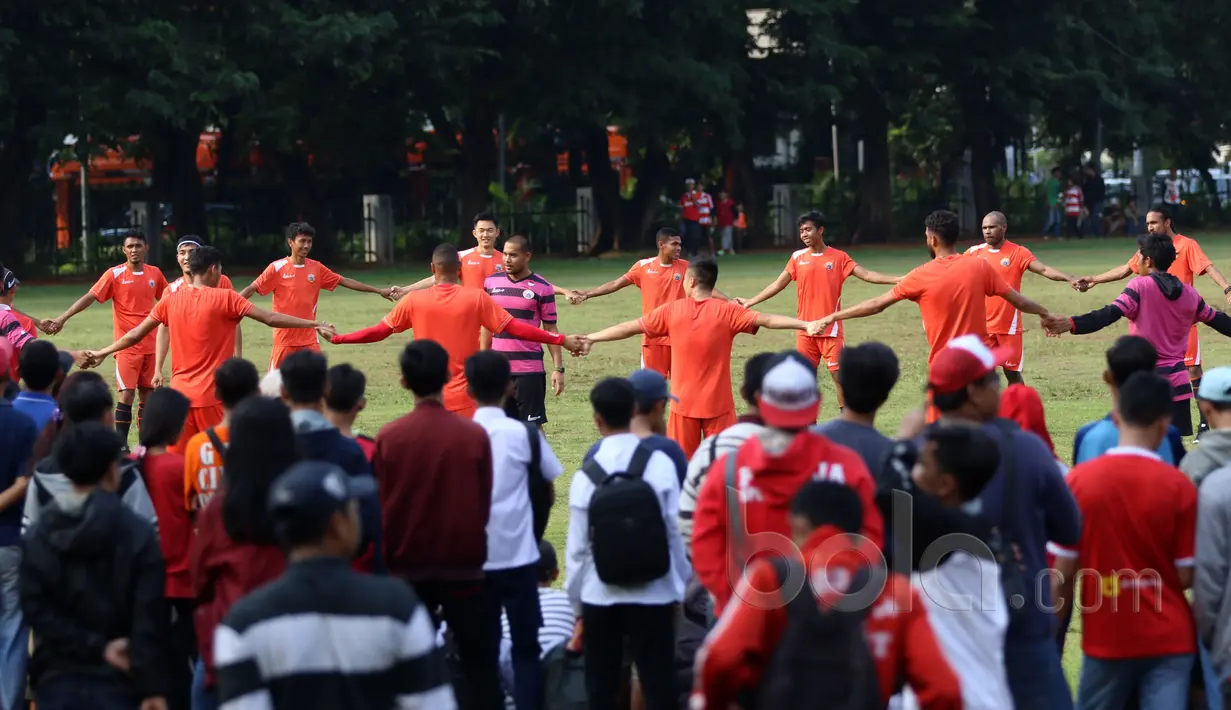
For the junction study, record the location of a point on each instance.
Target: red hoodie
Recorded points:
(223, 571)
(767, 484)
(899, 636)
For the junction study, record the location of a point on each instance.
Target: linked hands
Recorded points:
(576, 298)
(389, 293)
(1081, 284)
(49, 326)
(1056, 324)
(578, 345)
(816, 327)
(86, 359)
(326, 331)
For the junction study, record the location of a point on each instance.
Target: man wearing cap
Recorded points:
(769, 470)
(1214, 401)
(364, 641)
(183, 250)
(965, 387)
(650, 416)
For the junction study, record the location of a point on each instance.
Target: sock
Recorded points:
(123, 420)
(1203, 425)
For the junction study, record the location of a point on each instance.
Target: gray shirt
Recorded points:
(871, 445)
(1212, 576)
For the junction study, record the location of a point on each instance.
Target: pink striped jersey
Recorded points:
(530, 300)
(10, 328)
(1162, 310)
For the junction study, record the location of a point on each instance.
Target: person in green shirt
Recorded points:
(1055, 204)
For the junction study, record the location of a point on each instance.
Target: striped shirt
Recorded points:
(711, 449)
(11, 328)
(324, 636)
(557, 628)
(1162, 309)
(530, 300)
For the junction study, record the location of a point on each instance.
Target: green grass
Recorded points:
(1067, 372)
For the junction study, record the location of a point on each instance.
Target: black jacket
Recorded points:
(93, 572)
(330, 446)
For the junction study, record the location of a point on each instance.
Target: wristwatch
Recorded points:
(1227, 290)
(560, 370)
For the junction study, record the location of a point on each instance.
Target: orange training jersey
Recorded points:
(133, 294)
(1010, 261)
(951, 292)
(224, 282)
(296, 290)
(452, 316)
(477, 267)
(659, 286)
(1190, 260)
(202, 322)
(203, 468)
(818, 284)
(701, 333)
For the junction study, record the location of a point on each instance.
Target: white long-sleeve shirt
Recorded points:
(584, 586)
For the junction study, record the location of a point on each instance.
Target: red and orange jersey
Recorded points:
(224, 282)
(702, 333)
(1010, 262)
(202, 322)
(660, 284)
(477, 267)
(818, 284)
(452, 316)
(203, 468)
(297, 291)
(133, 294)
(1190, 260)
(952, 294)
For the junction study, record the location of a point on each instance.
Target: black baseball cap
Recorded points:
(8, 280)
(650, 387)
(308, 494)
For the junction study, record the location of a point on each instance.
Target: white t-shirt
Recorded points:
(510, 529)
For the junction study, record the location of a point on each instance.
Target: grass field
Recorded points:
(1067, 372)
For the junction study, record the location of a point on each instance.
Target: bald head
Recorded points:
(445, 260)
(518, 242)
(994, 228)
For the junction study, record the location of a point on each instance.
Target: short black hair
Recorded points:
(1128, 355)
(829, 503)
(816, 218)
(614, 400)
(446, 258)
(236, 380)
(345, 386)
(867, 374)
(85, 397)
(484, 217)
(666, 234)
(304, 373)
(549, 564)
(425, 367)
(202, 259)
(488, 374)
(134, 234)
(706, 272)
(520, 241)
(1163, 210)
(86, 452)
(945, 225)
(166, 410)
(1158, 248)
(40, 365)
(754, 375)
(966, 453)
(1145, 399)
(295, 229)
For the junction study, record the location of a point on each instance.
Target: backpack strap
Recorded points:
(637, 464)
(219, 447)
(735, 521)
(536, 451)
(597, 474)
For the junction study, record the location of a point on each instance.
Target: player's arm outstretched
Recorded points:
(583, 295)
(1024, 304)
(870, 307)
(396, 293)
(352, 284)
(773, 289)
(1047, 272)
(55, 325)
(874, 277)
(1217, 277)
(1117, 274)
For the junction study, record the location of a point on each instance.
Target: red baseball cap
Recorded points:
(789, 397)
(1022, 404)
(964, 361)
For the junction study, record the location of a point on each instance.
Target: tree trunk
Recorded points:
(479, 159)
(638, 213)
(175, 176)
(982, 157)
(16, 156)
(875, 217)
(307, 202)
(605, 184)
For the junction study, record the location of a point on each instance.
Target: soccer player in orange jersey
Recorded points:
(162, 345)
(202, 320)
(133, 287)
(661, 280)
(951, 290)
(451, 315)
(702, 330)
(475, 263)
(1011, 261)
(296, 284)
(818, 271)
(1190, 262)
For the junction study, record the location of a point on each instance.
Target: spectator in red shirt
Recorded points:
(769, 469)
(725, 212)
(705, 214)
(235, 549)
(163, 473)
(434, 470)
(1139, 519)
(690, 216)
(344, 400)
(897, 629)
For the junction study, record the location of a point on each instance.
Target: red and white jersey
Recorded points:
(1072, 201)
(705, 209)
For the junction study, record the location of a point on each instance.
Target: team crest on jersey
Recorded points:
(677, 277)
(829, 266)
(151, 283)
(527, 294)
(499, 267)
(311, 278)
(1004, 261)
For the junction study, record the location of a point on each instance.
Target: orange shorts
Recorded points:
(1192, 358)
(1013, 343)
(199, 419)
(689, 431)
(818, 350)
(280, 353)
(657, 358)
(133, 372)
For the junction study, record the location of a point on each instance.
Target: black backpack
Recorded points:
(542, 491)
(627, 532)
(822, 661)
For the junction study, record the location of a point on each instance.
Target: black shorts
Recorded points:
(529, 400)
(1182, 417)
